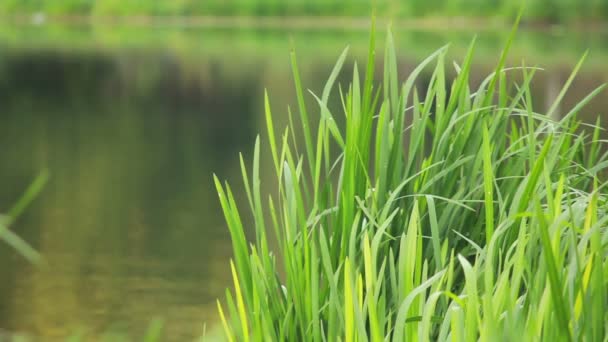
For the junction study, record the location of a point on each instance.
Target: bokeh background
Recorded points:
(132, 105)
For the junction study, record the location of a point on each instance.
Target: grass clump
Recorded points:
(454, 215)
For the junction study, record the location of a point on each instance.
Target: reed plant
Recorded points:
(6, 220)
(455, 212)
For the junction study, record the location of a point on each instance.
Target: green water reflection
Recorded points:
(132, 123)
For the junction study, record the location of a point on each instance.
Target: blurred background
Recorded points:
(132, 105)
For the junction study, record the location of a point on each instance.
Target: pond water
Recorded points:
(133, 122)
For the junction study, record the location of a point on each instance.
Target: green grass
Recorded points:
(454, 212)
(545, 11)
(6, 220)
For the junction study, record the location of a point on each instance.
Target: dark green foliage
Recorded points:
(546, 11)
